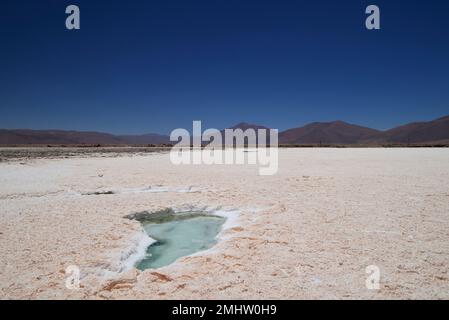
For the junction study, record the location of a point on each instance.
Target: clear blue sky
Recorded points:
(151, 66)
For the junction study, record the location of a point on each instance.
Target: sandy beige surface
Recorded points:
(307, 232)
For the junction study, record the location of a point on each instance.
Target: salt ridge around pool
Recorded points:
(169, 235)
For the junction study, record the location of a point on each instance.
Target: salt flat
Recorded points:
(309, 231)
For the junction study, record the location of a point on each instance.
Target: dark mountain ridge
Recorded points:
(331, 133)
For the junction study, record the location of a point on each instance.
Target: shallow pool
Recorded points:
(178, 235)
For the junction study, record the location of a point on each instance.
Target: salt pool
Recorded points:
(177, 235)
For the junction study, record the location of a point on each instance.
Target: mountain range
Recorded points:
(61, 137)
(329, 133)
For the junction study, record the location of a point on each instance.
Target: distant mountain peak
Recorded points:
(241, 124)
(419, 132)
(333, 132)
(246, 125)
(445, 118)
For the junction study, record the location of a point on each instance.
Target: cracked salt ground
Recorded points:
(318, 232)
(150, 189)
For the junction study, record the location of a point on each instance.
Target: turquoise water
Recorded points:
(178, 235)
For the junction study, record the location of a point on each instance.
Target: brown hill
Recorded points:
(336, 132)
(417, 132)
(55, 137)
(61, 137)
(244, 126)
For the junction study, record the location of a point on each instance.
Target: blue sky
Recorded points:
(151, 66)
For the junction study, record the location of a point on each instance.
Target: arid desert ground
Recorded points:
(307, 232)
